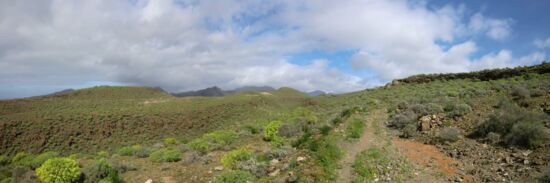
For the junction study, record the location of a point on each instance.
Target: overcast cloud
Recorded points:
(186, 45)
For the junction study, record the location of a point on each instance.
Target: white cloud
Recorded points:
(191, 44)
(542, 43)
(497, 29)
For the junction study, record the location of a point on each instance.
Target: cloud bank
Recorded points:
(189, 44)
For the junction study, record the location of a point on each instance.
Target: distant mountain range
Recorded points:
(316, 93)
(216, 91)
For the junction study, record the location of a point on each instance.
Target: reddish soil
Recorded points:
(429, 156)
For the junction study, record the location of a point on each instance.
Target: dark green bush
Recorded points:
(58, 170)
(409, 131)
(426, 109)
(459, 110)
(337, 120)
(33, 161)
(449, 134)
(165, 155)
(252, 129)
(516, 126)
(403, 119)
(235, 176)
(100, 170)
(325, 129)
(4, 160)
(520, 91)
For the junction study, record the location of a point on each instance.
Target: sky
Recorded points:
(330, 45)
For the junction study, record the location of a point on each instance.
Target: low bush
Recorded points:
(165, 155)
(252, 129)
(403, 119)
(409, 131)
(327, 153)
(170, 141)
(100, 170)
(271, 132)
(337, 120)
(516, 126)
(449, 134)
(33, 161)
(459, 110)
(235, 176)
(4, 160)
(103, 154)
(289, 130)
(520, 92)
(355, 128)
(199, 145)
(230, 159)
(126, 151)
(426, 109)
(58, 170)
(493, 138)
(221, 137)
(325, 129)
(135, 150)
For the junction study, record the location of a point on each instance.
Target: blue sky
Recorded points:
(335, 46)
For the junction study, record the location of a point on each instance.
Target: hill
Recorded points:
(485, 126)
(216, 92)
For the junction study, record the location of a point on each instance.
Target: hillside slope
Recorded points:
(475, 127)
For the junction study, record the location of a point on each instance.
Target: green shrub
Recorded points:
(252, 129)
(516, 126)
(170, 141)
(33, 161)
(520, 92)
(528, 133)
(327, 154)
(355, 128)
(289, 130)
(337, 120)
(235, 176)
(409, 131)
(126, 151)
(348, 112)
(101, 171)
(271, 131)
(221, 137)
(103, 154)
(57, 170)
(165, 155)
(426, 109)
(449, 134)
(199, 145)
(4, 160)
(230, 159)
(493, 138)
(367, 162)
(459, 110)
(403, 119)
(142, 152)
(325, 129)
(23, 159)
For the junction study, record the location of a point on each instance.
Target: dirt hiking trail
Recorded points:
(428, 164)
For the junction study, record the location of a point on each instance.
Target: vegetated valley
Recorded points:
(487, 126)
